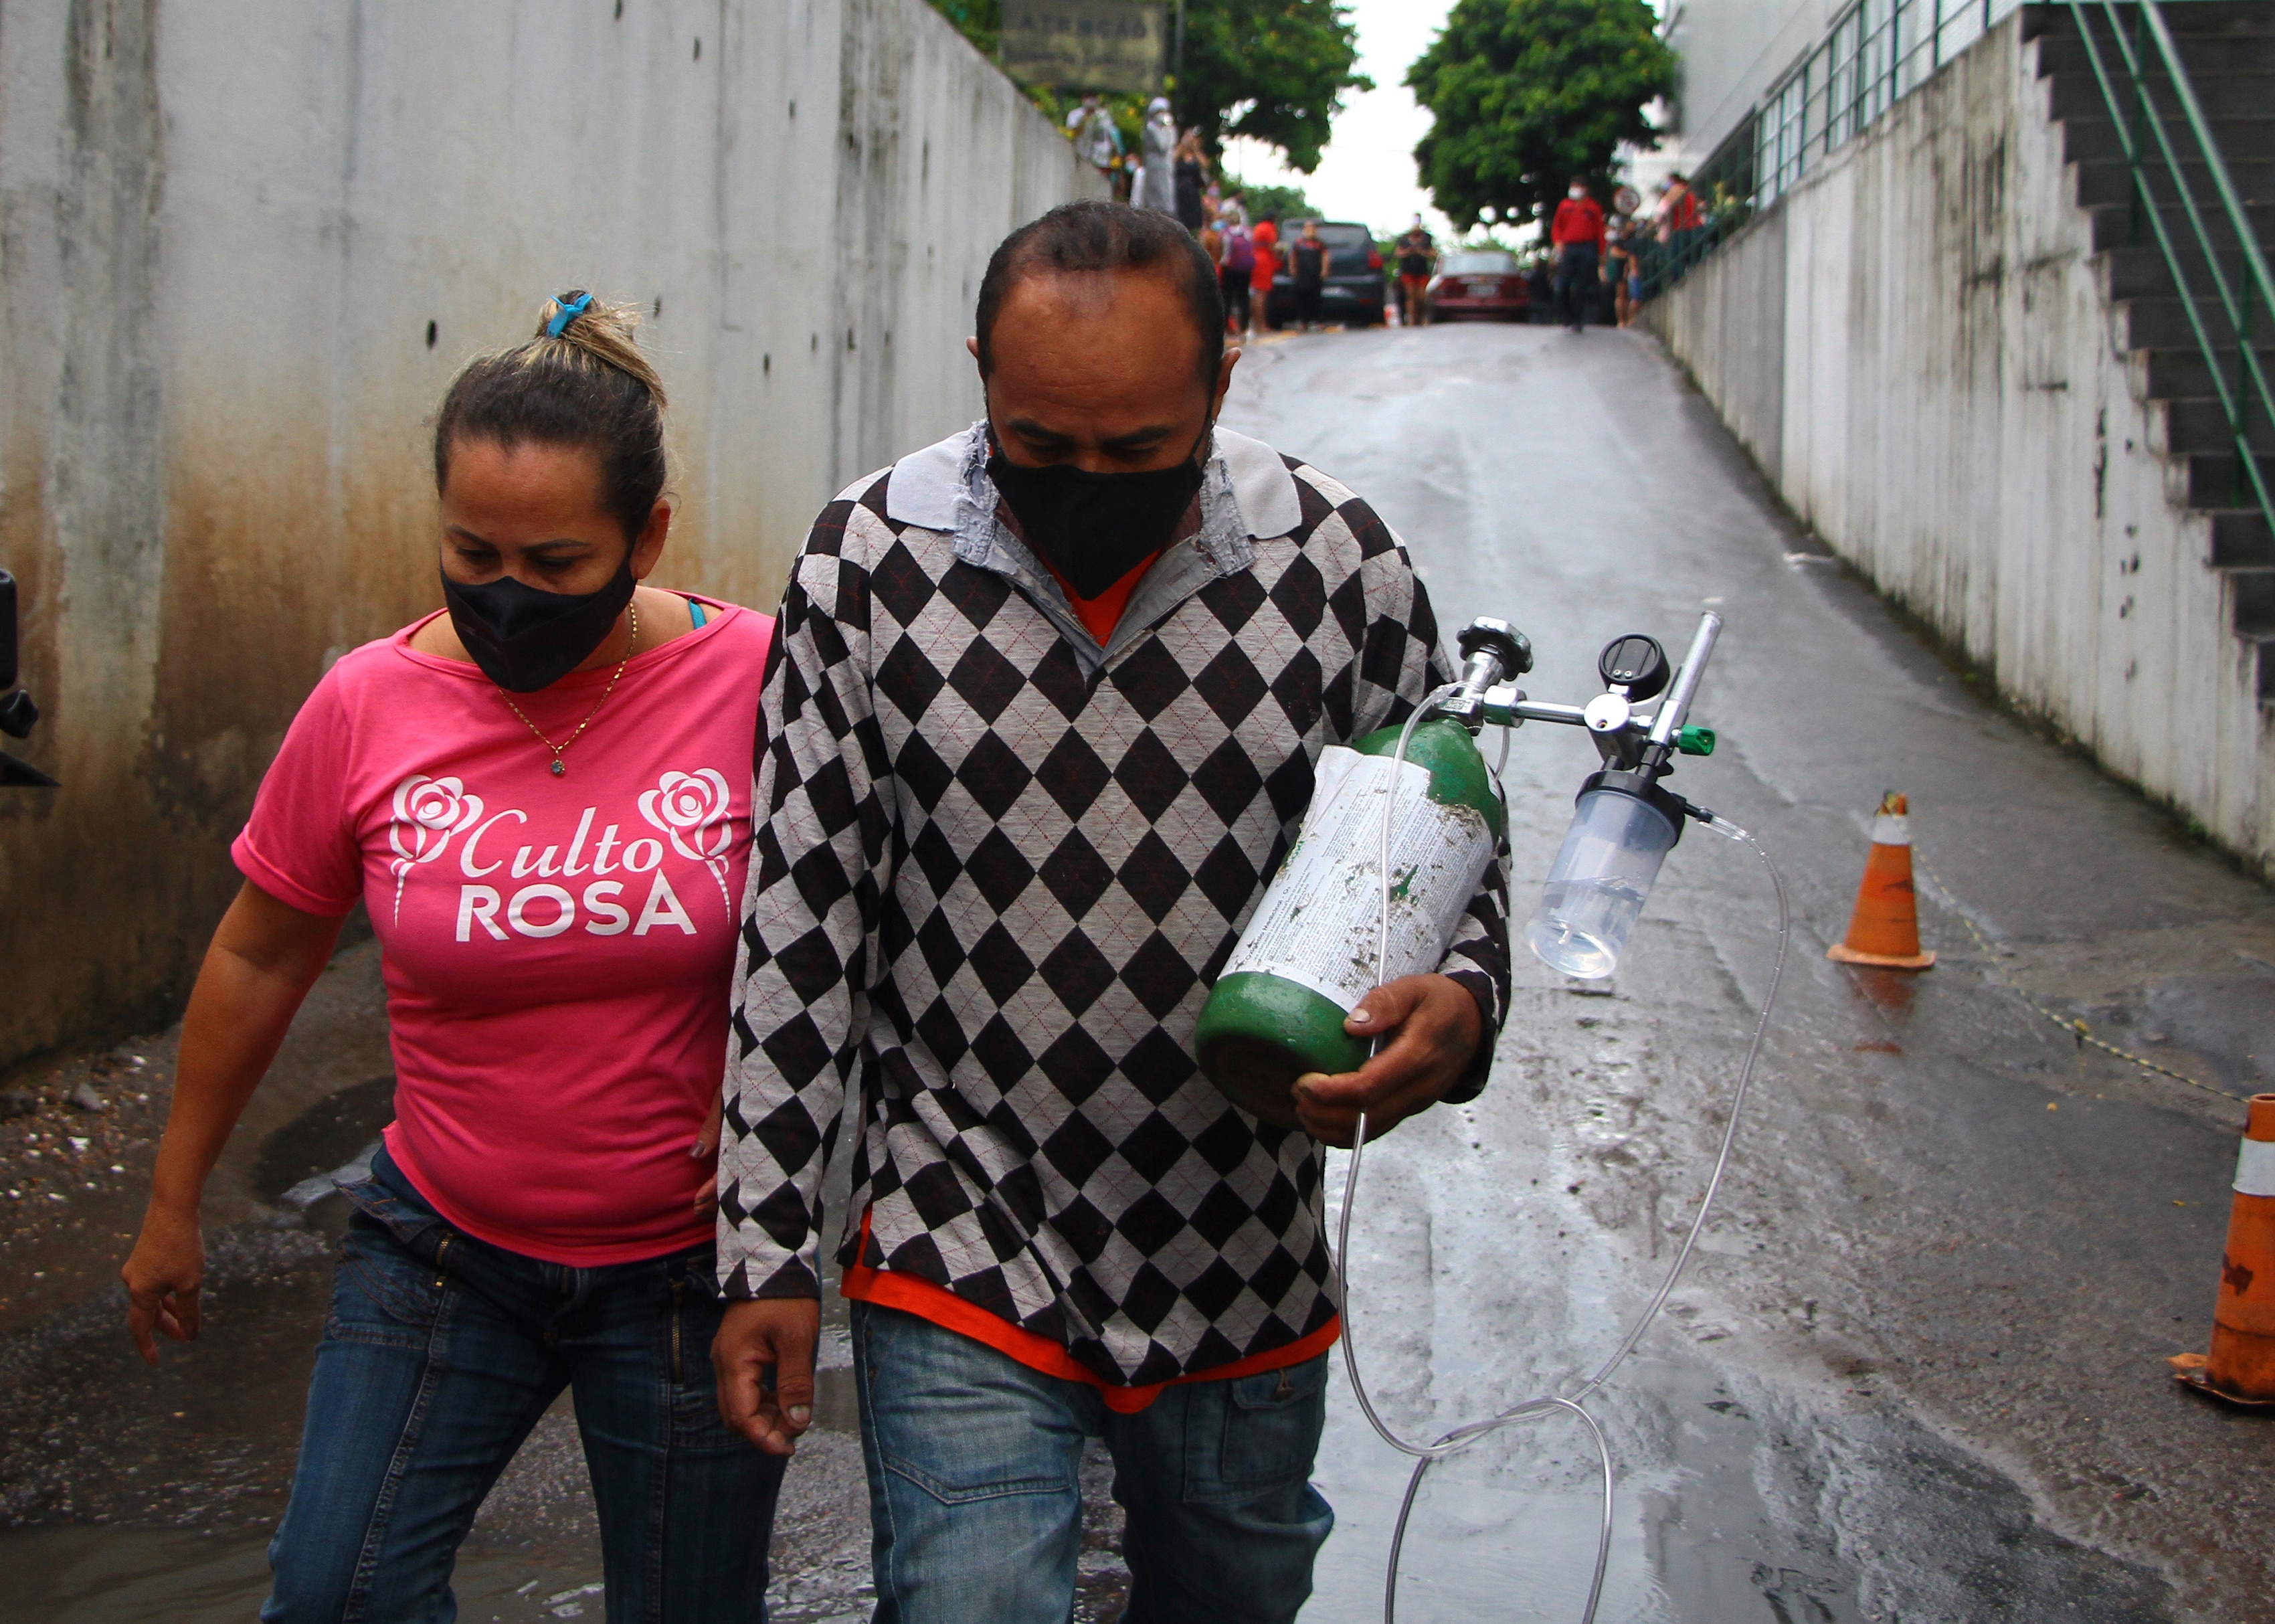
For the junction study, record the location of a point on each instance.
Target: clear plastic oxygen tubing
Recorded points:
(1461, 1438)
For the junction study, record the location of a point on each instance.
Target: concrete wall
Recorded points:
(1939, 398)
(244, 246)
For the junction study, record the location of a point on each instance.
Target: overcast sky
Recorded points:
(1367, 172)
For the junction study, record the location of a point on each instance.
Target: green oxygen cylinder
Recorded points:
(1309, 953)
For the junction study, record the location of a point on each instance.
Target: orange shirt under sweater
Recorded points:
(950, 1312)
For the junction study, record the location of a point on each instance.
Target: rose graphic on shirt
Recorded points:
(427, 813)
(693, 808)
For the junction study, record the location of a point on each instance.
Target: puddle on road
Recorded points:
(148, 1497)
(327, 1134)
(140, 1575)
(1499, 1251)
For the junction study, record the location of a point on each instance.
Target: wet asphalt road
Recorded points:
(1916, 1374)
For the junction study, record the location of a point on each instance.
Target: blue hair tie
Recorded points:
(571, 309)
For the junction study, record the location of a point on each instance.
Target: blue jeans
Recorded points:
(439, 1355)
(975, 1502)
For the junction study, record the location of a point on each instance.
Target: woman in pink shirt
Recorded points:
(541, 796)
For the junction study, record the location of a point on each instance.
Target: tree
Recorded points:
(1285, 202)
(1526, 93)
(1274, 70)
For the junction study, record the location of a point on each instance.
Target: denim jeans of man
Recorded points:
(1575, 282)
(975, 1496)
(439, 1355)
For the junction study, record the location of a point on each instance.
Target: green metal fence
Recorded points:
(1875, 52)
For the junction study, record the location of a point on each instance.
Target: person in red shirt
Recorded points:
(1680, 220)
(1576, 232)
(1267, 240)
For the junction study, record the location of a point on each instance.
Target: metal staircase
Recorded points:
(2168, 125)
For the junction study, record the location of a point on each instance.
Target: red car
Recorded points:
(1478, 281)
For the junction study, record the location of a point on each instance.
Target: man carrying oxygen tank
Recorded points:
(1043, 717)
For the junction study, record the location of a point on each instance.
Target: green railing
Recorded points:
(1875, 53)
(2234, 307)
(1727, 195)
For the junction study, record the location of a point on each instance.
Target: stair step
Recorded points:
(2249, 52)
(2110, 181)
(2160, 323)
(2208, 480)
(2221, 95)
(2202, 426)
(2139, 271)
(2240, 540)
(2090, 136)
(2120, 225)
(2192, 18)
(2177, 372)
(2254, 608)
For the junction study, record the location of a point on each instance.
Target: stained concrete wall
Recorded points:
(1949, 411)
(245, 244)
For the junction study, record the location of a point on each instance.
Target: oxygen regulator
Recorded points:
(1402, 828)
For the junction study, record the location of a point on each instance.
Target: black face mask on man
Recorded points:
(1095, 528)
(524, 638)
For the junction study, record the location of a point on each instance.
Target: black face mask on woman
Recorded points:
(1095, 528)
(524, 638)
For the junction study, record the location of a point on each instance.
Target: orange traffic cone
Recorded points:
(1884, 928)
(2241, 1365)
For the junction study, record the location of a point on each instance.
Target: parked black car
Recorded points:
(1353, 290)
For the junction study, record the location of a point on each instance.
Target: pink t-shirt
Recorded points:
(556, 951)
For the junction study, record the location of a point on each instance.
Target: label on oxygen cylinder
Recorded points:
(1320, 920)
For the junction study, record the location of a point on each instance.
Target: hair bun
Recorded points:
(598, 332)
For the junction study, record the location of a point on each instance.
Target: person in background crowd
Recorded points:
(1192, 175)
(1417, 258)
(1157, 175)
(1234, 268)
(1576, 233)
(1680, 220)
(1212, 240)
(540, 795)
(1540, 288)
(1307, 266)
(1047, 706)
(1234, 208)
(1620, 265)
(1099, 141)
(1267, 235)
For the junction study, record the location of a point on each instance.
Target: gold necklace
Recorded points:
(560, 767)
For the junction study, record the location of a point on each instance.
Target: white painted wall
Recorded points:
(1941, 401)
(1732, 51)
(225, 226)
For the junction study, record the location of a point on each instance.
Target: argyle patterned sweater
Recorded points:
(996, 870)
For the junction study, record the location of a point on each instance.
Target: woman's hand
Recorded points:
(706, 1150)
(162, 1275)
(265, 956)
